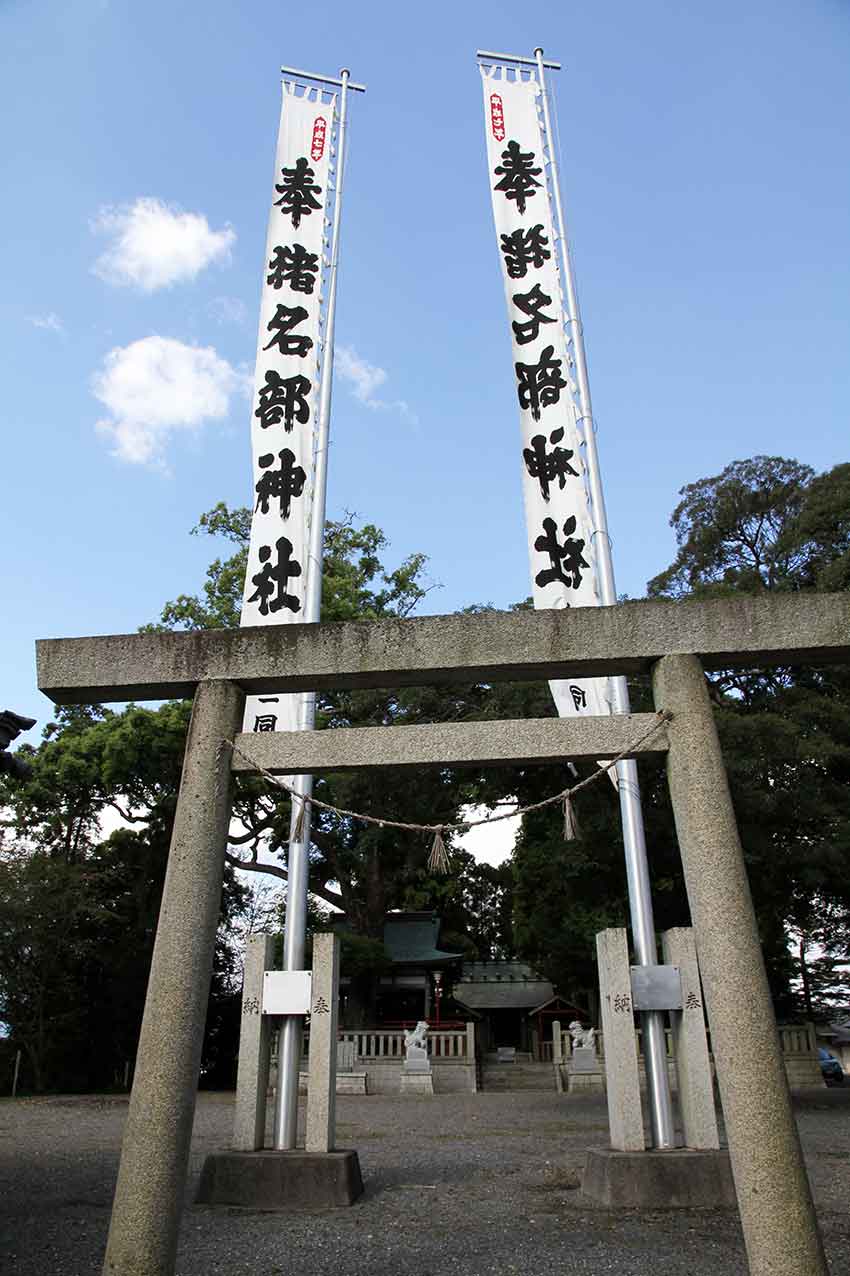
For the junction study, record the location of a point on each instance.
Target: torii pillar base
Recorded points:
(270, 1180)
(678, 1179)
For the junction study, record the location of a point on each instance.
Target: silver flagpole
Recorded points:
(637, 869)
(295, 931)
(634, 841)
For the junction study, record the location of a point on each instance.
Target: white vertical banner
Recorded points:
(557, 505)
(286, 382)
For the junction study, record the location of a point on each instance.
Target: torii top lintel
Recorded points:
(746, 631)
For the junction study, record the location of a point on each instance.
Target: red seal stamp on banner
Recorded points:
(497, 117)
(320, 129)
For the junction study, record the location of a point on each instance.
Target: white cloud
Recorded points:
(156, 387)
(51, 322)
(155, 245)
(365, 378)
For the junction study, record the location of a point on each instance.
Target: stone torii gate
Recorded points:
(673, 641)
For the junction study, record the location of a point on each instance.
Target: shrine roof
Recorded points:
(411, 939)
(501, 985)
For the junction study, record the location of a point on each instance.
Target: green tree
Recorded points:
(763, 524)
(44, 920)
(772, 524)
(78, 908)
(566, 890)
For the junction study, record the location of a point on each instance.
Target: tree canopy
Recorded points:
(84, 840)
(79, 904)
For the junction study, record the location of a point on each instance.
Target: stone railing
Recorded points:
(797, 1038)
(545, 1054)
(387, 1044)
(381, 1043)
(798, 1043)
(379, 1054)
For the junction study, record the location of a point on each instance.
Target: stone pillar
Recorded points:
(557, 1056)
(777, 1215)
(693, 1066)
(625, 1118)
(255, 1033)
(470, 1054)
(154, 1157)
(324, 1009)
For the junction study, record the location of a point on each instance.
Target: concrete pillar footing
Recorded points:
(271, 1180)
(683, 1178)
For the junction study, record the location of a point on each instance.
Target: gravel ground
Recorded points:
(459, 1183)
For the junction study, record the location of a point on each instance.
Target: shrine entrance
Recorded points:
(675, 642)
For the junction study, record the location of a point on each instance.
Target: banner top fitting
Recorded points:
(487, 56)
(324, 79)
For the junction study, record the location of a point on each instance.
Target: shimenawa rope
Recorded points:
(438, 860)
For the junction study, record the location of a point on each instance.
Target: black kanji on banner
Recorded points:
(539, 385)
(298, 192)
(518, 175)
(524, 248)
(282, 323)
(566, 561)
(293, 266)
(265, 722)
(549, 467)
(284, 399)
(271, 580)
(279, 485)
(579, 696)
(530, 303)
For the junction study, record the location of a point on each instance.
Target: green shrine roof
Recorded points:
(412, 938)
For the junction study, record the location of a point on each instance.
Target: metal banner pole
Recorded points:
(637, 869)
(295, 931)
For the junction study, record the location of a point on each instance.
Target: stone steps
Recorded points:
(518, 1076)
(519, 1057)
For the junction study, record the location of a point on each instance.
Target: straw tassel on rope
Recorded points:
(298, 832)
(438, 860)
(571, 828)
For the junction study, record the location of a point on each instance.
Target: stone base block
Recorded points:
(416, 1083)
(270, 1180)
(346, 1083)
(351, 1083)
(586, 1083)
(585, 1059)
(680, 1179)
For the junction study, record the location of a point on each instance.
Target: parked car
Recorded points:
(831, 1069)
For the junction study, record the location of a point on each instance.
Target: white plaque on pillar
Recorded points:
(287, 992)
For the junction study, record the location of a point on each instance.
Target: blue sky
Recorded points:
(705, 174)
